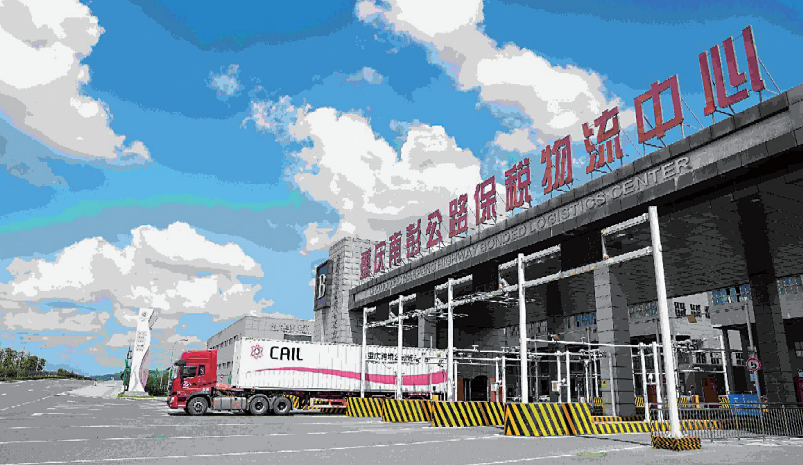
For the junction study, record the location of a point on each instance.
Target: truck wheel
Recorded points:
(282, 406)
(258, 406)
(197, 406)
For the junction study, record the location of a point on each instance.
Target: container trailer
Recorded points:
(268, 376)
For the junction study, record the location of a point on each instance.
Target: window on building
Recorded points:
(746, 293)
(739, 359)
(699, 358)
(680, 309)
(540, 327)
(695, 310)
(790, 285)
(716, 359)
(298, 337)
(707, 311)
(799, 349)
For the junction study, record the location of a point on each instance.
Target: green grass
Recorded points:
(123, 394)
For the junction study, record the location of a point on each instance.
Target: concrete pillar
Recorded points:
(613, 328)
(726, 342)
(745, 342)
(769, 334)
(426, 332)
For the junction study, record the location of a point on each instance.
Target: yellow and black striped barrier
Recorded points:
(639, 402)
(332, 410)
(610, 419)
(405, 411)
(448, 414)
(364, 408)
(536, 420)
(676, 444)
(580, 419)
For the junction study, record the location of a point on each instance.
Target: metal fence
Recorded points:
(728, 421)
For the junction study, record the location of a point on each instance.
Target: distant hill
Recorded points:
(114, 376)
(55, 367)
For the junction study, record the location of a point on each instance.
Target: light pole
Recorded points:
(184, 339)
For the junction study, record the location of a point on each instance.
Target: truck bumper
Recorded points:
(173, 403)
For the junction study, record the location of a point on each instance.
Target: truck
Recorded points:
(268, 376)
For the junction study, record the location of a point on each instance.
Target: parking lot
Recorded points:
(66, 429)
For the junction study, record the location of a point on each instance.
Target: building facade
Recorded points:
(333, 280)
(264, 327)
(731, 307)
(724, 201)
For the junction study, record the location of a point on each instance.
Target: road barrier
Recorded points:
(676, 444)
(735, 420)
(405, 411)
(462, 414)
(610, 419)
(536, 420)
(359, 407)
(332, 410)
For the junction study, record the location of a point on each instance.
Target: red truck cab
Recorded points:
(194, 373)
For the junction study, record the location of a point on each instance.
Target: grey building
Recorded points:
(265, 327)
(333, 280)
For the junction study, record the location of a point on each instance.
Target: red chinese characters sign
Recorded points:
(458, 216)
(485, 200)
(413, 239)
(558, 159)
(659, 126)
(607, 144)
(517, 185)
(735, 78)
(601, 142)
(434, 229)
(394, 250)
(365, 264)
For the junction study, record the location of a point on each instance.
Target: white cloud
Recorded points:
(61, 340)
(555, 99)
(183, 340)
(175, 270)
(368, 75)
(375, 189)
(226, 83)
(518, 140)
(121, 340)
(62, 319)
(42, 79)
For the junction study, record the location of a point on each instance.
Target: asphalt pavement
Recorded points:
(65, 428)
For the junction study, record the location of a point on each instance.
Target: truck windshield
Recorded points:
(188, 371)
(173, 373)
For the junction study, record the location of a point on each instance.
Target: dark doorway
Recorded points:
(479, 389)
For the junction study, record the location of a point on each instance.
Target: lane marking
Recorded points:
(562, 456)
(244, 454)
(25, 403)
(213, 436)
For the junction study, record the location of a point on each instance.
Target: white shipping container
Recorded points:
(306, 366)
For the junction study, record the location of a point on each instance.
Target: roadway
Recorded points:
(71, 429)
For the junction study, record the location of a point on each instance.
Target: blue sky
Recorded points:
(199, 158)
